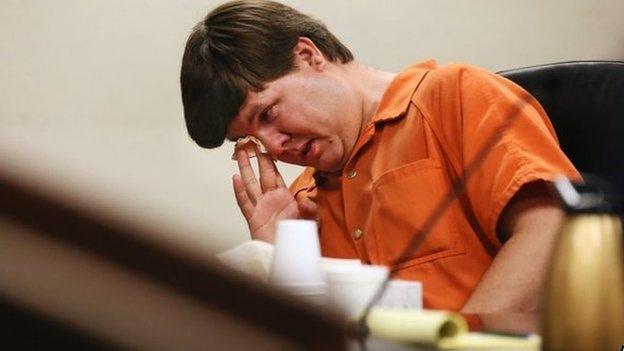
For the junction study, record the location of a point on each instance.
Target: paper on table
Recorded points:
(402, 294)
(485, 341)
(442, 330)
(252, 258)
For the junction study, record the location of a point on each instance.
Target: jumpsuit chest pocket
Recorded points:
(403, 199)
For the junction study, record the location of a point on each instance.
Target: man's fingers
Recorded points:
(268, 172)
(248, 176)
(242, 199)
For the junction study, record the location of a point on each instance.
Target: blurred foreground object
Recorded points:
(584, 300)
(78, 277)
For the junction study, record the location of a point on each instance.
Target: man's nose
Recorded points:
(275, 143)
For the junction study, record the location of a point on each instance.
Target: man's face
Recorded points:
(308, 117)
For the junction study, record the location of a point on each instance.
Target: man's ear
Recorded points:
(306, 54)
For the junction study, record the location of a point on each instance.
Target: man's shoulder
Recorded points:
(450, 81)
(456, 72)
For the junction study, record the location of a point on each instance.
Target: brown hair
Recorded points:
(238, 47)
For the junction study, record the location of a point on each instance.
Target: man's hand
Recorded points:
(265, 202)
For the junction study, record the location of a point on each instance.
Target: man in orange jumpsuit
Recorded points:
(381, 151)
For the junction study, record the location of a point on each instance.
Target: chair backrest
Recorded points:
(585, 102)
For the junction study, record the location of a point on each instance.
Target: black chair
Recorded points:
(585, 102)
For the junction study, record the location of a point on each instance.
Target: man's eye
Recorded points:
(266, 115)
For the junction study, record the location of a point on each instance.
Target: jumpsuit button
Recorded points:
(358, 233)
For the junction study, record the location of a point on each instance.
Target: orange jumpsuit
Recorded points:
(429, 125)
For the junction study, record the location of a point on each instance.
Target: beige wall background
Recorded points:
(89, 95)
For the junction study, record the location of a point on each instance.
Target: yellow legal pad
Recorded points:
(441, 330)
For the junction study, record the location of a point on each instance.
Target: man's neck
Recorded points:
(370, 84)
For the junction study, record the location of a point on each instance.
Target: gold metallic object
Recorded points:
(584, 299)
